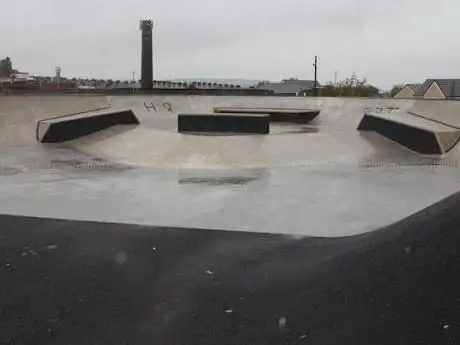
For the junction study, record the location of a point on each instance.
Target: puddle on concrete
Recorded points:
(217, 181)
(5, 170)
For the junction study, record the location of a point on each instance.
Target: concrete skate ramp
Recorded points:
(331, 137)
(70, 127)
(340, 113)
(143, 175)
(175, 151)
(223, 123)
(416, 133)
(318, 247)
(276, 114)
(19, 115)
(444, 112)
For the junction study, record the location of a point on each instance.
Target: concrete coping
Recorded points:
(413, 121)
(268, 110)
(90, 113)
(65, 128)
(225, 114)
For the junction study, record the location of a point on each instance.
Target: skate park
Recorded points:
(156, 228)
(330, 148)
(159, 218)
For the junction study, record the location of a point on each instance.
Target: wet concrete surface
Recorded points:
(332, 201)
(322, 179)
(176, 277)
(69, 282)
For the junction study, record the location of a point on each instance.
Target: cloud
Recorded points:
(387, 42)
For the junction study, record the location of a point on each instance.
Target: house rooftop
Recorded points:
(449, 87)
(414, 86)
(310, 84)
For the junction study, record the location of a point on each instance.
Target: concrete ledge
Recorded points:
(224, 123)
(61, 129)
(418, 134)
(290, 115)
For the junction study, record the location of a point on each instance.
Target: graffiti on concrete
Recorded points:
(150, 106)
(387, 109)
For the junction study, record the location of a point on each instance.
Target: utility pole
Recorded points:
(315, 87)
(134, 82)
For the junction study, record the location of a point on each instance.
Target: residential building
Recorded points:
(439, 89)
(408, 91)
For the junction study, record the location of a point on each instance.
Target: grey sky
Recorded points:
(387, 42)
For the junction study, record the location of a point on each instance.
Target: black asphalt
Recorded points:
(71, 282)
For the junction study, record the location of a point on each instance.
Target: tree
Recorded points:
(6, 67)
(395, 89)
(261, 83)
(350, 87)
(328, 90)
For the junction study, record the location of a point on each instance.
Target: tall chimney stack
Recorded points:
(146, 27)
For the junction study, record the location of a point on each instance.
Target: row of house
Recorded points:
(432, 89)
(136, 84)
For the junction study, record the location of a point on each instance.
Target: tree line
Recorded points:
(350, 87)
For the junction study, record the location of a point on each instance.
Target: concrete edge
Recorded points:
(72, 127)
(433, 120)
(65, 115)
(379, 124)
(223, 123)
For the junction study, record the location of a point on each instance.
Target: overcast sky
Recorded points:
(387, 42)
